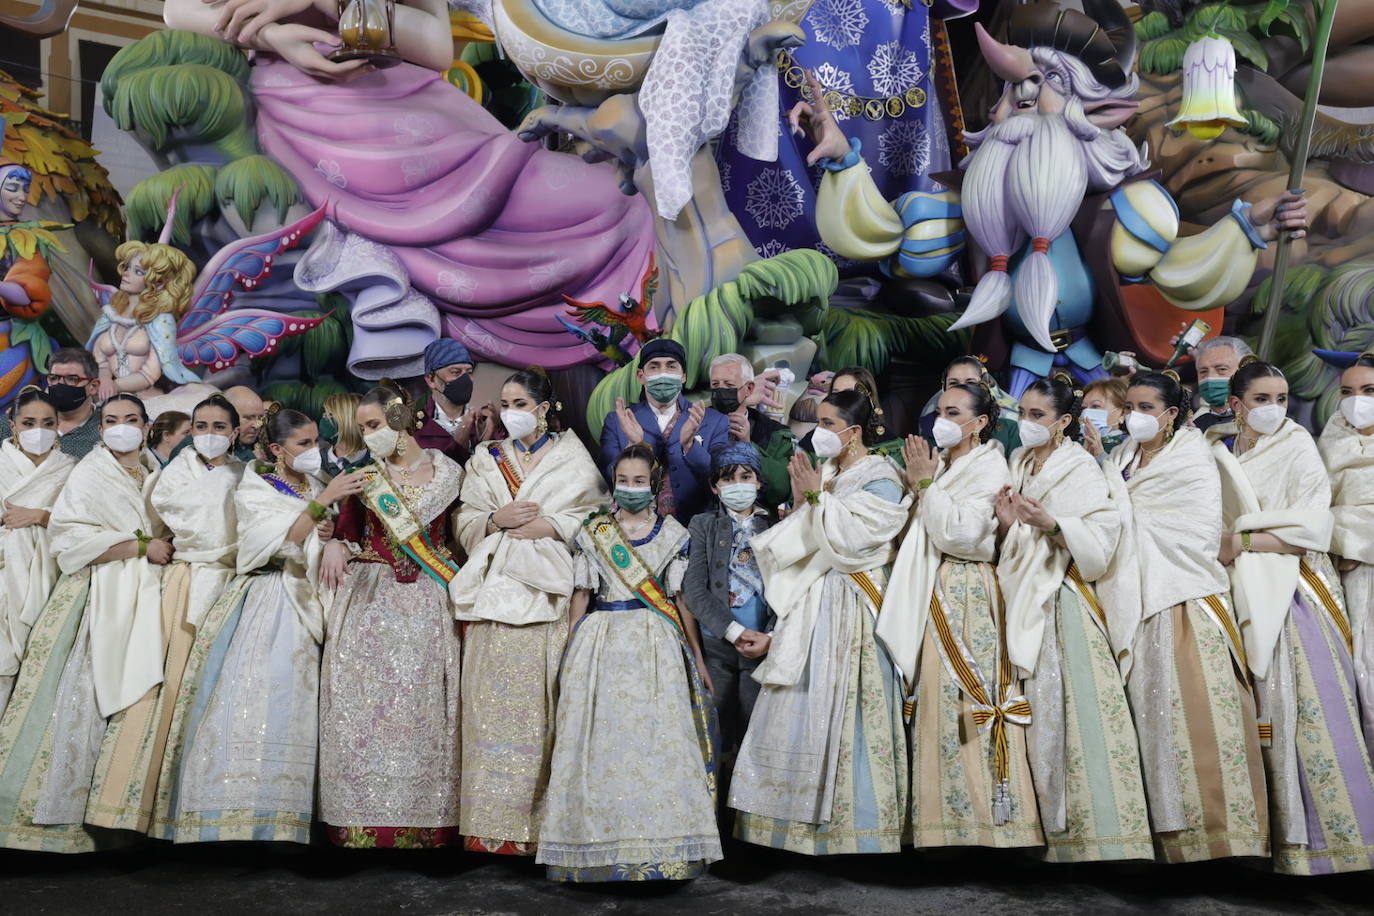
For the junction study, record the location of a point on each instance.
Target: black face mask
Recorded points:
(459, 391)
(67, 398)
(726, 400)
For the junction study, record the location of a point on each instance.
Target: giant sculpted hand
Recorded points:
(815, 120)
(1286, 211)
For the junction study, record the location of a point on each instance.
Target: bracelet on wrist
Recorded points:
(1245, 542)
(143, 541)
(1055, 531)
(812, 496)
(317, 510)
(924, 483)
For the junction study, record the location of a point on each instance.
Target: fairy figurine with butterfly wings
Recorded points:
(164, 318)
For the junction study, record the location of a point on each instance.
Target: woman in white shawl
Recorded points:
(1059, 529)
(94, 649)
(32, 473)
(1347, 448)
(193, 496)
(1176, 639)
(1276, 500)
(241, 757)
(944, 624)
(822, 769)
(523, 502)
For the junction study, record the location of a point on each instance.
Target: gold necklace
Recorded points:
(407, 471)
(851, 104)
(643, 527)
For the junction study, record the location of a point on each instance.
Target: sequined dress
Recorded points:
(389, 744)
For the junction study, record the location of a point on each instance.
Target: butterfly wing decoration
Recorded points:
(211, 335)
(218, 342)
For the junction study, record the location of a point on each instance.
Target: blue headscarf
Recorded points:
(733, 453)
(446, 352)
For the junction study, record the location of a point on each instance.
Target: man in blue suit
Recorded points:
(682, 435)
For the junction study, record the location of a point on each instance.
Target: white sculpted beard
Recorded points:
(1026, 179)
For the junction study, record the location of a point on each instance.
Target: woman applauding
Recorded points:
(971, 786)
(1059, 530)
(822, 768)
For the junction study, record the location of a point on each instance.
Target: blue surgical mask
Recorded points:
(1097, 417)
(664, 388)
(739, 496)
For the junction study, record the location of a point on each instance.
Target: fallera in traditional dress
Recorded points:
(822, 769)
(241, 754)
(945, 625)
(1299, 644)
(1082, 746)
(513, 597)
(632, 779)
(196, 503)
(1178, 644)
(1349, 459)
(28, 570)
(94, 651)
(389, 690)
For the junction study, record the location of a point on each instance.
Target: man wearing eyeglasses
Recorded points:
(72, 384)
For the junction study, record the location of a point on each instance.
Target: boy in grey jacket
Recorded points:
(725, 590)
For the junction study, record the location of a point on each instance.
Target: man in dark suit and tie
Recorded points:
(682, 435)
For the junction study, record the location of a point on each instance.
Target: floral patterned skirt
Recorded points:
(631, 793)
(1083, 749)
(953, 779)
(389, 713)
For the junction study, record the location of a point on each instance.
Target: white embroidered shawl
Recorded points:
(197, 504)
(99, 508)
(28, 570)
(1073, 490)
(520, 582)
(848, 530)
(1279, 486)
(265, 516)
(1170, 535)
(954, 516)
(1349, 459)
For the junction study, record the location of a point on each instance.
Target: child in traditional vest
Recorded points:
(725, 589)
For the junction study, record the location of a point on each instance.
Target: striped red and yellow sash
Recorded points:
(616, 550)
(507, 469)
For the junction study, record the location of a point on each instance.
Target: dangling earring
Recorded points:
(1058, 439)
(543, 425)
(401, 448)
(281, 467)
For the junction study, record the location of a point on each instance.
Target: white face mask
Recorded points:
(1141, 427)
(947, 433)
(37, 441)
(211, 445)
(1033, 435)
(382, 442)
(1358, 410)
(307, 462)
(826, 443)
(123, 437)
(1267, 419)
(519, 423)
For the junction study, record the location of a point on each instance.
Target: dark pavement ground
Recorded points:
(243, 878)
